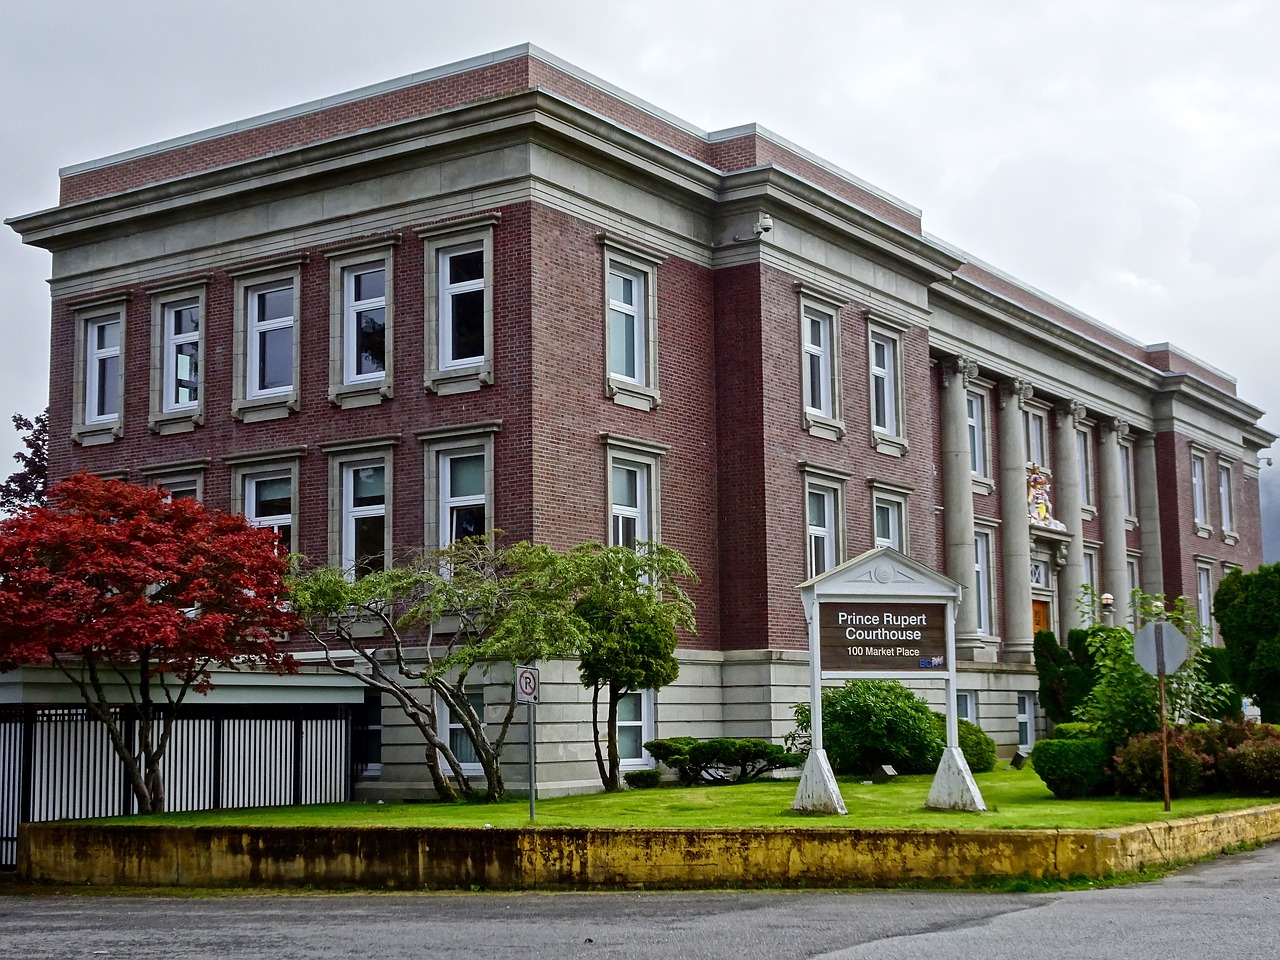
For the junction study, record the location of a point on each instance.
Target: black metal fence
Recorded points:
(58, 763)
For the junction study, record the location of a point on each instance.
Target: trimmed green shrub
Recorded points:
(722, 759)
(867, 723)
(642, 779)
(1073, 768)
(979, 749)
(1139, 769)
(1252, 768)
(1076, 730)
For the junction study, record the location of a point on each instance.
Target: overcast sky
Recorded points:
(1123, 157)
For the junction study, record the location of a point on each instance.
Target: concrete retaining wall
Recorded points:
(445, 858)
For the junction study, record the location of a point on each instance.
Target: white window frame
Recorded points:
(166, 415)
(89, 427)
(896, 504)
(1133, 575)
(178, 480)
(646, 724)
(640, 265)
(967, 706)
(982, 582)
(1035, 426)
(1128, 483)
(819, 397)
(348, 389)
(441, 444)
(96, 359)
(448, 291)
(248, 482)
(258, 326)
(1084, 465)
(1204, 595)
(1090, 568)
(977, 406)
(172, 342)
(886, 384)
(449, 724)
(270, 463)
(449, 500)
(448, 376)
(344, 456)
(351, 513)
(1025, 719)
(1199, 492)
(1227, 500)
(248, 402)
(824, 535)
(646, 460)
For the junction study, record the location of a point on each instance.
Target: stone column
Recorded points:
(1115, 552)
(957, 500)
(1149, 514)
(1066, 501)
(1015, 530)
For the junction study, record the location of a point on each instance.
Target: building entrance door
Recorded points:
(1040, 615)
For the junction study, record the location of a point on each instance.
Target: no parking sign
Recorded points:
(526, 684)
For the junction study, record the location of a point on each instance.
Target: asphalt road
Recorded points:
(1228, 908)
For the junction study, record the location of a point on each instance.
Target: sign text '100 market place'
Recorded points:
(879, 636)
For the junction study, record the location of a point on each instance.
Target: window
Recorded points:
(630, 329)
(1225, 506)
(1084, 464)
(1091, 569)
(635, 728)
(180, 488)
(1036, 426)
(104, 370)
(629, 504)
(632, 490)
(177, 354)
(1199, 511)
(361, 308)
(366, 737)
(459, 482)
(822, 528)
(270, 340)
(264, 489)
(884, 384)
(1204, 596)
(269, 504)
(889, 522)
(459, 294)
(364, 517)
(1040, 574)
(459, 743)
(982, 580)
(98, 375)
(967, 705)
(1026, 721)
(976, 406)
(819, 385)
(1127, 481)
(267, 353)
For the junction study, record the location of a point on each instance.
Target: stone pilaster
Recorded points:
(1149, 513)
(1066, 486)
(1115, 552)
(1015, 532)
(957, 500)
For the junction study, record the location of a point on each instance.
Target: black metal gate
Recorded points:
(57, 762)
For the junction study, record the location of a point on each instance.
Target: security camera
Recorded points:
(765, 224)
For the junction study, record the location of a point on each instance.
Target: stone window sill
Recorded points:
(354, 395)
(633, 395)
(265, 408)
(180, 421)
(825, 428)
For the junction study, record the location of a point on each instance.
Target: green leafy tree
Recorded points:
(420, 632)
(1124, 700)
(26, 486)
(1247, 608)
(1066, 674)
(634, 608)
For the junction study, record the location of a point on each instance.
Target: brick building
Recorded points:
(505, 293)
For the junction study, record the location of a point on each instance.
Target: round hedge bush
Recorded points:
(979, 749)
(867, 723)
(1072, 768)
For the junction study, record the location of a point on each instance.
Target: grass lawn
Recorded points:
(1016, 800)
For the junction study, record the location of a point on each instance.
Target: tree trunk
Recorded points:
(613, 782)
(595, 736)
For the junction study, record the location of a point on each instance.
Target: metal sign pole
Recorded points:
(533, 766)
(1164, 725)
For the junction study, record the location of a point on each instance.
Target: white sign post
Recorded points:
(883, 616)
(527, 690)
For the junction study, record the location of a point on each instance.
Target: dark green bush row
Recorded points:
(979, 749)
(721, 760)
(1073, 768)
(1227, 757)
(642, 779)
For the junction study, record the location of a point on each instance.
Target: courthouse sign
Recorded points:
(877, 635)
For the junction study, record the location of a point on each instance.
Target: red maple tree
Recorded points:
(135, 597)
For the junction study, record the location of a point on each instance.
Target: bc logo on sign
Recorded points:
(526, 684)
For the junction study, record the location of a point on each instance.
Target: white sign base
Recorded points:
(953, 785)
(817, 791)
